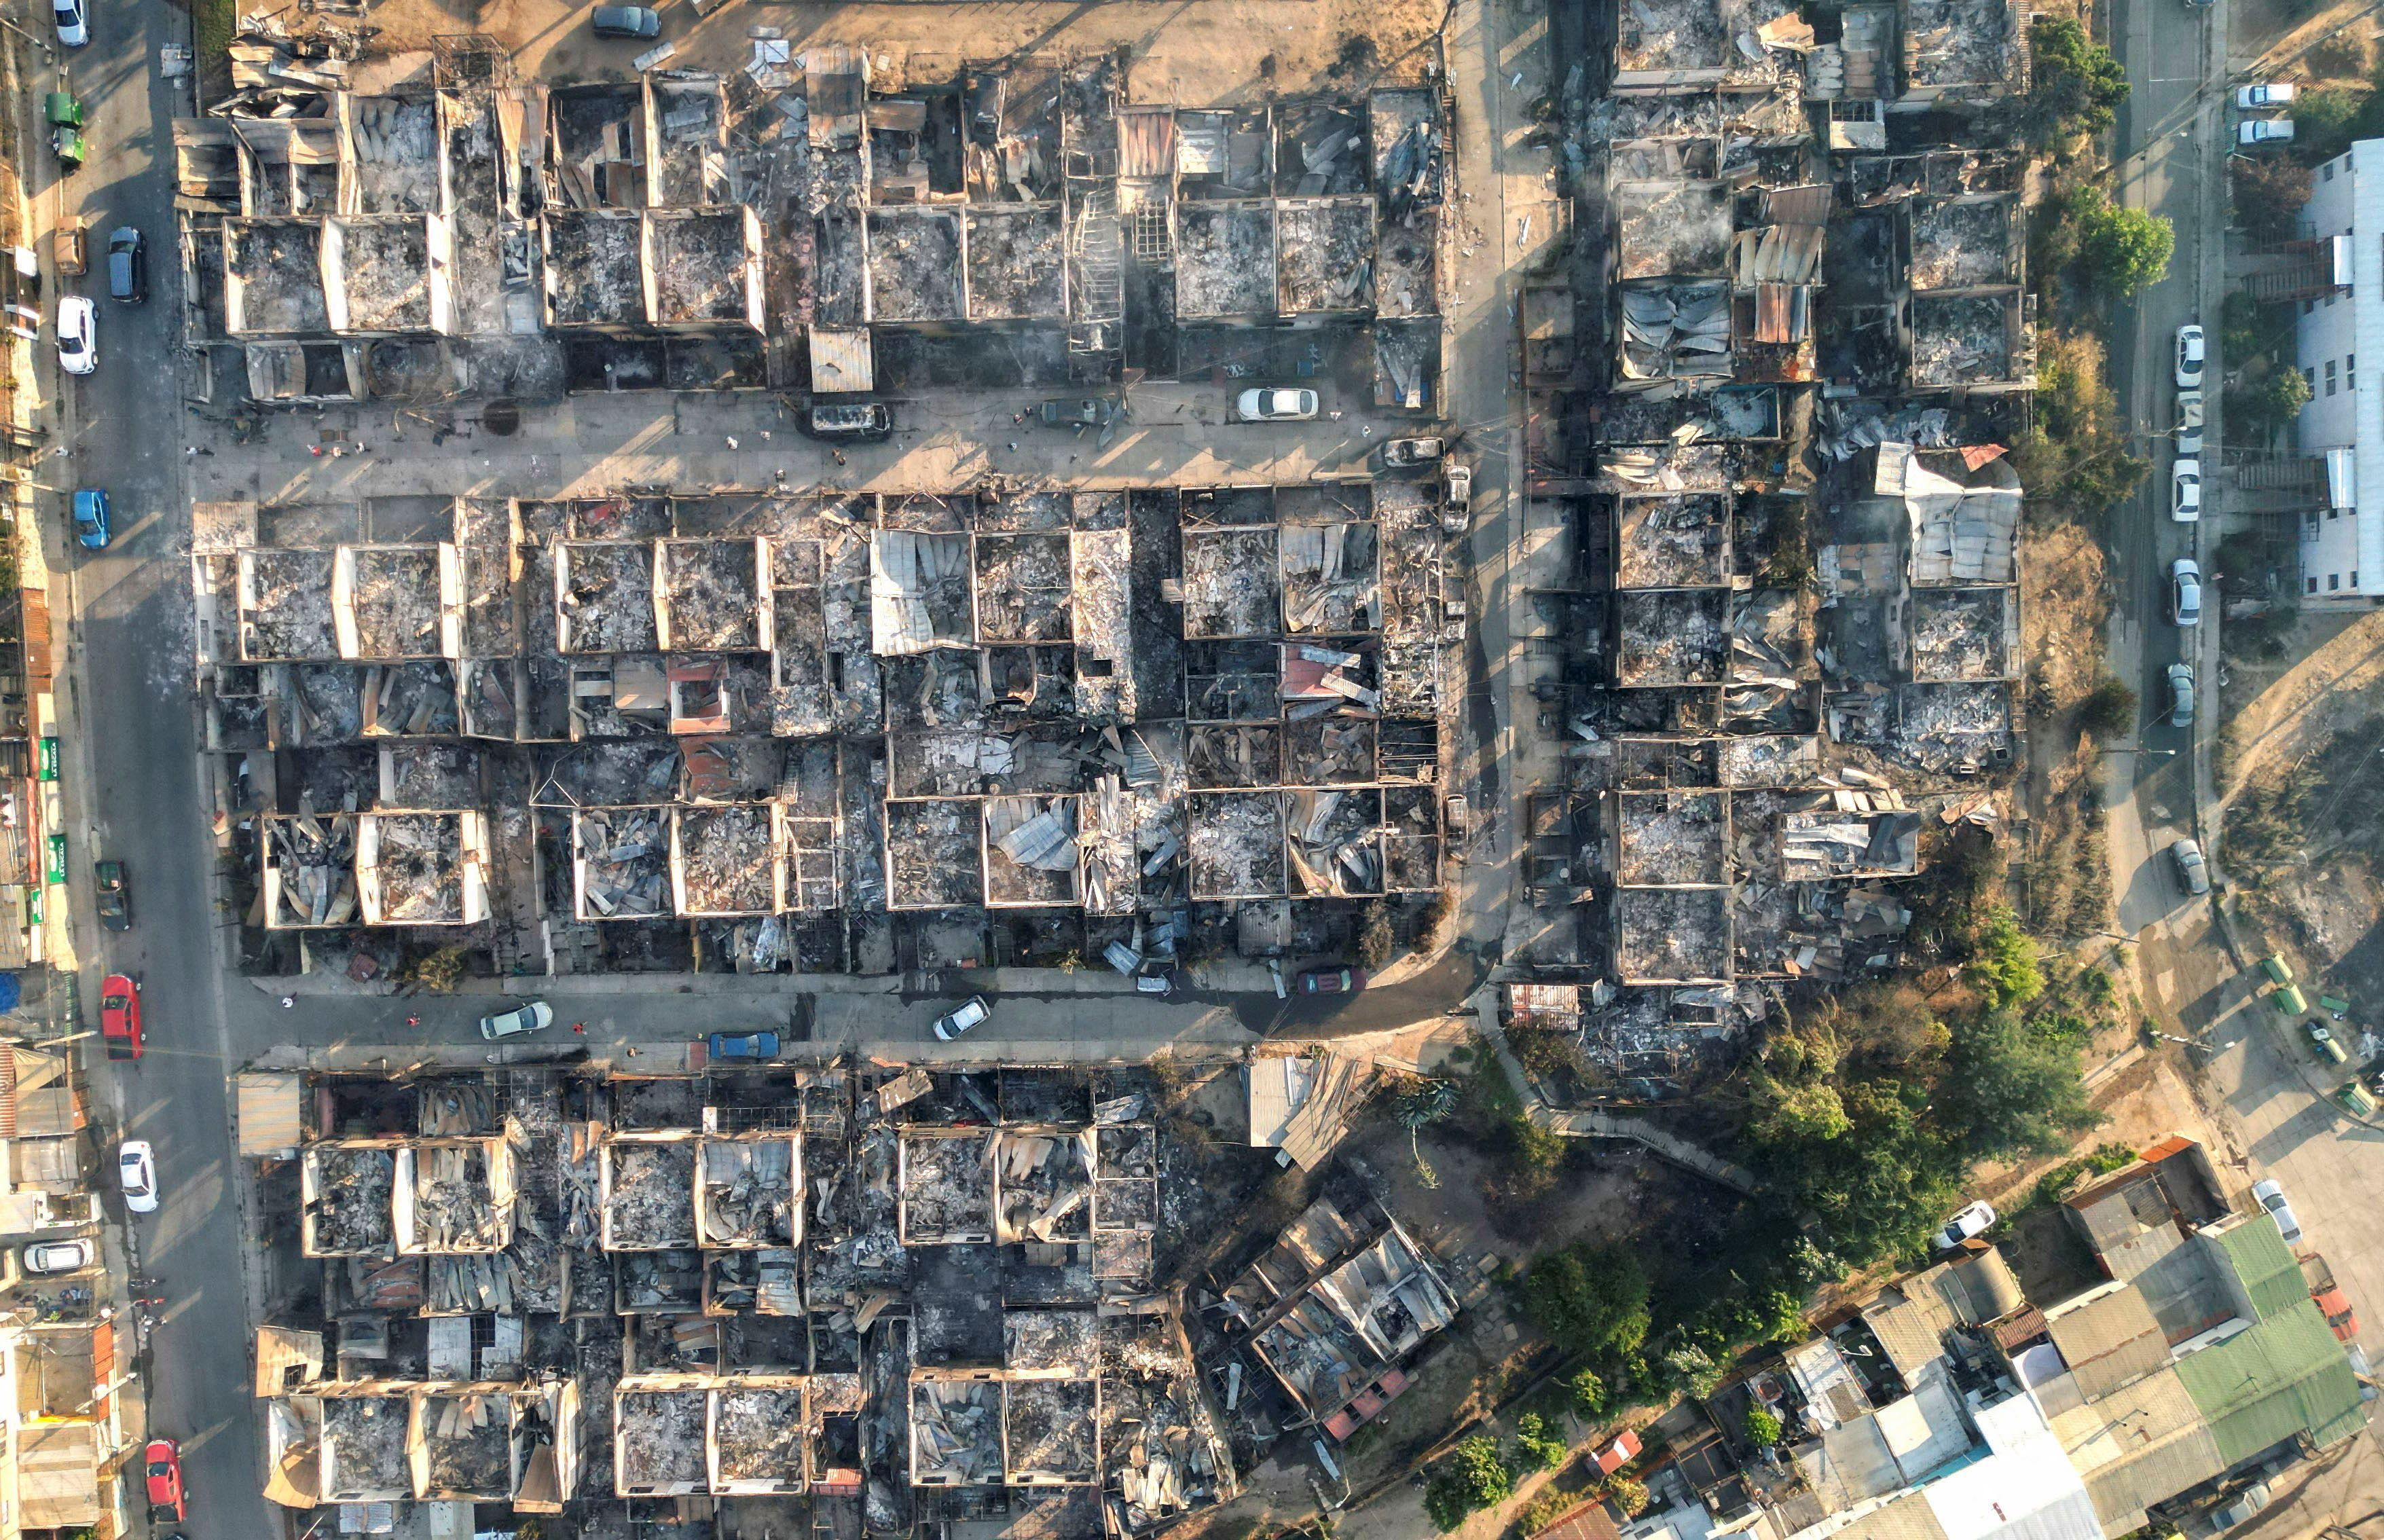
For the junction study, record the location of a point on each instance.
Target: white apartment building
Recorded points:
(2343, 543)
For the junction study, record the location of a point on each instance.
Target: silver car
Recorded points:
(536, 1016)
(2192, 869)
(46, 1258)
(2271, 1195)
(2181, 695)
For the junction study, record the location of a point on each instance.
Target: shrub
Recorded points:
(1627, 1493)
(1374, 937)
(1473, 1477)
(2270, 193)
(1536, 1449)
(1762, 1428)
(1588, 1393)
(2004, 964)
(1591, 1300)
(2269, 404)
(1543, 1510)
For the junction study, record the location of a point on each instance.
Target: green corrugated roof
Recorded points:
(2257, 1251)
(2284, 1376)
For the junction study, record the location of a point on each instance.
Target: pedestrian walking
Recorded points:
(580, 1027)
(289, 1002)
(413, 1021)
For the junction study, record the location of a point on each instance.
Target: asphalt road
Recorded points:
(124, 689)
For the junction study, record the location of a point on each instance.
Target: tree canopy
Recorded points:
(1591, 1300)
(2076, 84)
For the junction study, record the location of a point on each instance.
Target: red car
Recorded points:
(2337, 1310)
(1332, 981)
(119, 1016)
(164, 1459)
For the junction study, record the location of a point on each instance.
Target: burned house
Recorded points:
(846, 730)
(911, 1293)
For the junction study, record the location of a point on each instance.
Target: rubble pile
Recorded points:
(364, 1438)
(624, 863)
(955, 1433)
(348, 1198)
(420, 869)
(286, 606)
(649, 1193)
(456, 1205)
(659, 1441)
(1047, 1187)
(760, 1434)
(469, 1439)
(749, 1192)
(607, 604)
(314, 861)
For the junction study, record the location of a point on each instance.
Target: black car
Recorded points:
(127, 266)
(625, 21)
(115, 889)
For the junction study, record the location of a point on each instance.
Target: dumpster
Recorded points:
(2276, 968)
(2289, 1001)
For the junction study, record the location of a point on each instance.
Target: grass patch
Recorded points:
(213, 22)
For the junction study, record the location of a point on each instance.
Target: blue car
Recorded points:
(744, 1045)
(90, 519)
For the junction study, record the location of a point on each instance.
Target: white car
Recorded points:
(2255, 131)
(2181, 695)
(77, 335)
(2188, 422)
(1976, 1219)
(2185, 492)
(970, 1012)
(136, 1171)
(1266, 403)
(47, 1257)
(2272, 1197)
(2189, 358)
(534, 1017)
(2253, 1500)
(74, 21)
(2269, 93)
(2185, 591)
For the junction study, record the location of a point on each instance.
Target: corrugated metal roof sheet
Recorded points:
(842, 360)
(1907, 1518)
(1911, 1323)
(1980, 1288)
(2144, 1444)
(58, 1475)
(2110, 1341)
(2255, 1248)
(268, 1106)
(1147, 142)
(2283, 1377)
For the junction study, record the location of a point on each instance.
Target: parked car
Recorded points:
(1397, 453)
(2265, 94)
(2192, 870)
(77, 335)
(2251, 1501)
(2341, 1319)
(2185, 492)
(2189, 357)
(127, 266)
(2324, 1043)
(2188, 422)
(163, 1459)
(1158, 982)
(70, 246)
(74, 21)
(1457, 498)
(1274, 404)
(2270, 1196)
(1332, 981)
(536, 1016)
(743, 1045)
(1079, 412)
(47, 1259)
(632, 21)
(2253, 132)
(862, 422)
(115, 888)
(970, 1012)
(136, 1173)
(2185, 591)
(92, 523)
(2181, 695)
(119, 1016)
(1976, 1219)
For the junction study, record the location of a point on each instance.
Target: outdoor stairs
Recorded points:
(1100, 288)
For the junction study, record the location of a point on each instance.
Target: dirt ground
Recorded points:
(1187, 55)
(2318, 42)
(2065, 598)
(2301, 763)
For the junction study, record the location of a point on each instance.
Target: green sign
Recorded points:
(48, 769)
(32, 906)
(57, 871)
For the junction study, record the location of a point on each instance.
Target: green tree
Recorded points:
(1591, 1300)
(2116, 252)
(1694, 1370)
(1588, 1393)
(2109, 709)
(2076, 84)
(2270, 403)
(2005, 1091)
(1762, 1428)
(1536, 1448)
(1473, 1477)
(1785, 1114)
(2003, 966)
